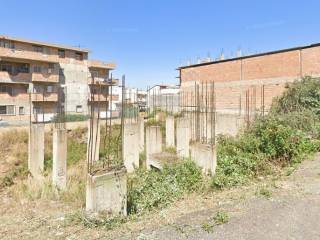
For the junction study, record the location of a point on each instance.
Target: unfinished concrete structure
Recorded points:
(107, 192)
(36, 150)
(170, 133)
(93, 144)
(246, 85)
(59, 165)
(106, 188)
(131, 150)
(199, 120)
(204, 156)
(153, 143)
(141, 134)
(183, 137)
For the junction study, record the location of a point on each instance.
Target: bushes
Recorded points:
(151, 189)
(288, 134)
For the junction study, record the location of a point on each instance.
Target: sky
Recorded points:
(149, 39)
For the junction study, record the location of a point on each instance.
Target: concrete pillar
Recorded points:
(93, 146)
(183, 137)
(141, 134)
(205, 156)
(170, 131)
(107, 192)
(131, 146)
(36, 150)
(59, 166)
(153, 143)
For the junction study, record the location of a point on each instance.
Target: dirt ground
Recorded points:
(286, 208)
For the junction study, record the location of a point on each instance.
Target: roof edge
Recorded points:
(250, 56)
(44, 44)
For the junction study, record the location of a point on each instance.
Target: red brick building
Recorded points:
(251, 82)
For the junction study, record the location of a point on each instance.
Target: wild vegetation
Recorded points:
(289, 133)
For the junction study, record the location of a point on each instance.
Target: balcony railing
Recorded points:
(101, 81)
(22, 54)
(44, 97)
(20, 77)
(44, 77)
(103, 98)
(18, 97)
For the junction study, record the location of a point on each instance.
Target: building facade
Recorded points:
(268, 72)
(246, 85)
(36, 77)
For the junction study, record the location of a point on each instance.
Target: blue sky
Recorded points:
(149, 39)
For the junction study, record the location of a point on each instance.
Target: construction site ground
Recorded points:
(284, 208)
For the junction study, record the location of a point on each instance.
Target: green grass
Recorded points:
(218, 219)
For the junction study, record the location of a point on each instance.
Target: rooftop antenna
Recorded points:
(239, 52)
(209, 57)
(222, 55)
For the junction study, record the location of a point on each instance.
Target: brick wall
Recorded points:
(254, 81)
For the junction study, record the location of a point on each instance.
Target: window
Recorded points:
(37, 48)
(79, 109)
(6, 68)
(79, 56)
(7, 44)
(7, 110)
(23, 68)
(61, 53)
(94, 74)
(21, 110)
(61, 71)
(49, 89)
(6, 89)
(37, 69)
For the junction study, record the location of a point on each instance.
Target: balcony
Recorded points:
(101, 81)
(103, 98)
(27, 55)
(44, 97)
(45, 77)
(19, 78)
(101, 65)
(6, 97)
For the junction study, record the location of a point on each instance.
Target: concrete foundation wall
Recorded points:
(153, 143)
(59, 166)
(131, 146)
(170, 135)
(93, 146)
(229, 124)
(204, 155)
(107, 192)
(183, 137)
(36, 150)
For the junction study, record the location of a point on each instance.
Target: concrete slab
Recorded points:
(131, 146)
(183, 137)
(170, 131)
(59, 166)
(107, 192)
(205, 156)
(36, 150)
(153, 143)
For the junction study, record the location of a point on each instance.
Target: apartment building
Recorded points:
(37, 77)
